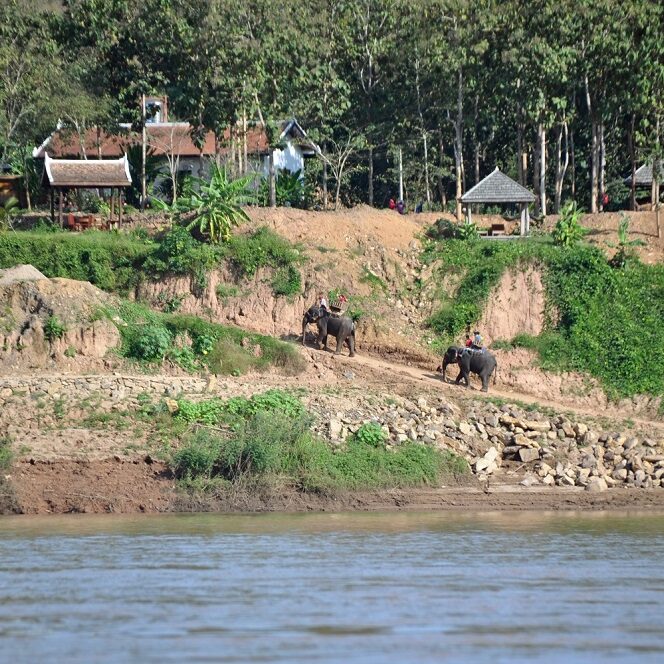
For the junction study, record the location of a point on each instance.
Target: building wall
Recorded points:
(290, 158)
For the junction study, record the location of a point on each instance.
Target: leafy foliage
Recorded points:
(54, 328)
(262, 248)
(568, 230)
(270, 436)
(213, 208)
(601, 321)
(292, 190)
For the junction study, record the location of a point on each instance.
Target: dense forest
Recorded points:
(565, 96)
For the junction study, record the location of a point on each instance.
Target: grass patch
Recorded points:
(269, 437)
(112, 261)
(193, 343)
(6, 453)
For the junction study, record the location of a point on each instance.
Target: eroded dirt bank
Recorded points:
(112, 486)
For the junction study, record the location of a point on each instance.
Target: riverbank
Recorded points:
(147, 486)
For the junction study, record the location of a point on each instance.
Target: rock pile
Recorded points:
(553, 451)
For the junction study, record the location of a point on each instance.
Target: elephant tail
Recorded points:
(495, 373)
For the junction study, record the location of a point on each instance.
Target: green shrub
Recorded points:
(287, 281)
(54, 328)
(262, 248)
(568, 230)
(150, 343)
(198, 456)
(594, 314)
(371, 434)
(111, 261)
(6, 453)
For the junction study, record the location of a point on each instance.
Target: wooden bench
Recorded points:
(497, 229)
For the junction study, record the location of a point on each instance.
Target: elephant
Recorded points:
(480, 362)
(342, 328)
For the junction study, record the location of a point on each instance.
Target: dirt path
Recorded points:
(432, 378)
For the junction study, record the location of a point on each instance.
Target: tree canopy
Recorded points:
(567, 97)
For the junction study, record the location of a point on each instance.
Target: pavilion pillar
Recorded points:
(60, 207)
(522, 228)
(469, 214)
(120, 206)
(52, 205)
(527, 220)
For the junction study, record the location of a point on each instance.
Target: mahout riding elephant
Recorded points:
(343, 328)
(480, 362)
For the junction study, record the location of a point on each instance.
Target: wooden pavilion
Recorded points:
(66, 174)
(499, 188)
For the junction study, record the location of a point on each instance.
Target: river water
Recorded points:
(387, 587)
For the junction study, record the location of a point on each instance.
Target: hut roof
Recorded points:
(87, 172)
(498, 188)
(643, 177)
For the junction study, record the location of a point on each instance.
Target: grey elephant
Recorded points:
(480, 362)
(342, 328)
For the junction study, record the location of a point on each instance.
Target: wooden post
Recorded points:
(523, 219)
(60, 208)
(120, 196)
(52, 205)
(400, 175)
(527, 220)
(469, 214)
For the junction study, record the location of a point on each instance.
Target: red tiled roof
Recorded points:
(163, 138)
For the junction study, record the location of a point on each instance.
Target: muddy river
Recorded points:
(393, 587)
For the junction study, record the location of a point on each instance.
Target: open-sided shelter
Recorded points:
(499, 188)
(66, 174)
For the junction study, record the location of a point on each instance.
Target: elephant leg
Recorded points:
(340, 345)
(459, 377)
(351, 344)
(485, 381)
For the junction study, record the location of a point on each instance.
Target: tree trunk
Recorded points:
(441, 182)
(370, 191)
(325, 194)
(594, 166)
(426, 167)
(458, 146)
(477, 162)
(572, 163)
(400, 175)
(98, 142)
(632, 159)
(602, 167)
(144, 155)
(245, 148)
(519, 155)
(542, 174)
(272, 185)
(536, 173)
(562, 163)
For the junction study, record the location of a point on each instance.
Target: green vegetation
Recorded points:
(192, 343)
(600, 320)
(54, 328)
(6, 453)
(214, 207)
(262, 248)
(568, 230)
(268, 437)
(111, 261)
(291, 190)
(117, 262)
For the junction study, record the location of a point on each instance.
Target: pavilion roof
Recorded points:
(643, 177)
(84, 173)
(498, 188)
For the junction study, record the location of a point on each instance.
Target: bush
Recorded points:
(287, 281)
(568, 230)
(198, 456)
(150, 343)
(54, 328)
(262, 248)
(271, 438)
(6, 454)
(371, 434)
